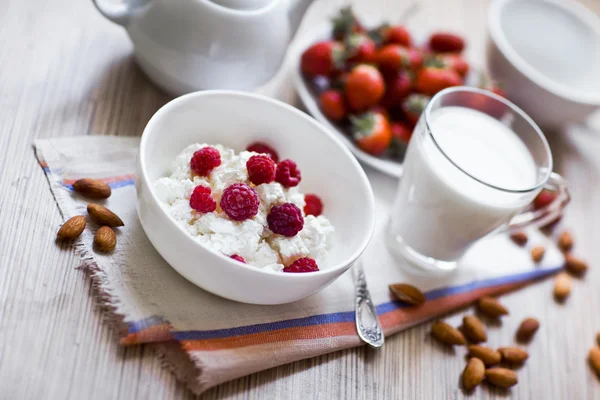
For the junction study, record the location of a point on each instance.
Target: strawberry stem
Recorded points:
(363, 124)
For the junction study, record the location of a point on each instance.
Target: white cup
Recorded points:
(474, 164)
(547, 56)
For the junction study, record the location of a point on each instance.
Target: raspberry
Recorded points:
(285, 219)
(238, 258)
(240, 202)
(313, 206)
(201, 200)
(288, 173)
(304, 264)
(259, 147)
(205, 160)
(261, 169)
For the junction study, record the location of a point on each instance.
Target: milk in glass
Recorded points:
(459, 182)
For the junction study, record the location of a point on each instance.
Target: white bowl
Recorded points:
(546, 53)
(236, 119)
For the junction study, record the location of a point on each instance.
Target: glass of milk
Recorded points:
(473, 165)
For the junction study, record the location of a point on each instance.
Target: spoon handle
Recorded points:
(368, 326)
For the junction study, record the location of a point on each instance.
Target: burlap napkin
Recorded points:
(208, 340)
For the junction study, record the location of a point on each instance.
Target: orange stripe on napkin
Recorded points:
(156, 333)
(392, 321)
(282, 335)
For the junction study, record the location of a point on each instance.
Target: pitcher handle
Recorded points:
(118, 13)
(548, 213)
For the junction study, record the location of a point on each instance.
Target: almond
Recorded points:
(103, 216)
(501, 377)
(407, 293)
(474, 329)
(487, 355)
(513, 355)
(491, 307)
(447, 334)
(527, 329)
(565, 241)
(575, 266)
(595, 359)
(105, 239)
(519, 238)
(92, 188)
(537, 253)
(473, 374)
(72, 228)
(562, 286)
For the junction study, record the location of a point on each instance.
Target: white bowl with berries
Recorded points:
(369, 83)
(249, 198)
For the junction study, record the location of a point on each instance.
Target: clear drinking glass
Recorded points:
(474, 164)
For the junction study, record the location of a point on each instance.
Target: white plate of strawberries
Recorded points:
(370, 86)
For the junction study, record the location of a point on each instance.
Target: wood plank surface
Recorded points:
(65, 71)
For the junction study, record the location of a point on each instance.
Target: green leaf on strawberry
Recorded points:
(345, 23)
(353, 42)
(371, 132)
(363, 124)
(416, 103)
(434, 62)
(378, 35)
(339, 55)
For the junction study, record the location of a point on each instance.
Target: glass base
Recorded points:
(420, 262)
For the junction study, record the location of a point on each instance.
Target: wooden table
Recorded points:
(65, 71)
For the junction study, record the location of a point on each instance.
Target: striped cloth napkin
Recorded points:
(207, 340)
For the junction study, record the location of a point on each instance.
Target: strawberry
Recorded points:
(455, 62)
(413, 106)
(394, 34)
(371, 132)
(443, 42)
(431, 80)
(497, 90)
(323, 58)
(401, 135)
(398, 34)
(345, 23)
(486, 104)
(543, 199)
(397, 89)
(360, 48)
(364, 87)
(333, 105)
(492, 86)
(401, 132)
(393, 57)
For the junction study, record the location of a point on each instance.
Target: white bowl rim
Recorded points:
(568, 6)
(370, 207)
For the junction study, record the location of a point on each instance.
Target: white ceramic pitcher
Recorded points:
(189, 45)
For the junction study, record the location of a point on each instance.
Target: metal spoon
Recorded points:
(368, 326)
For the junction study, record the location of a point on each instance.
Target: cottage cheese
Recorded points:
(250, 239)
